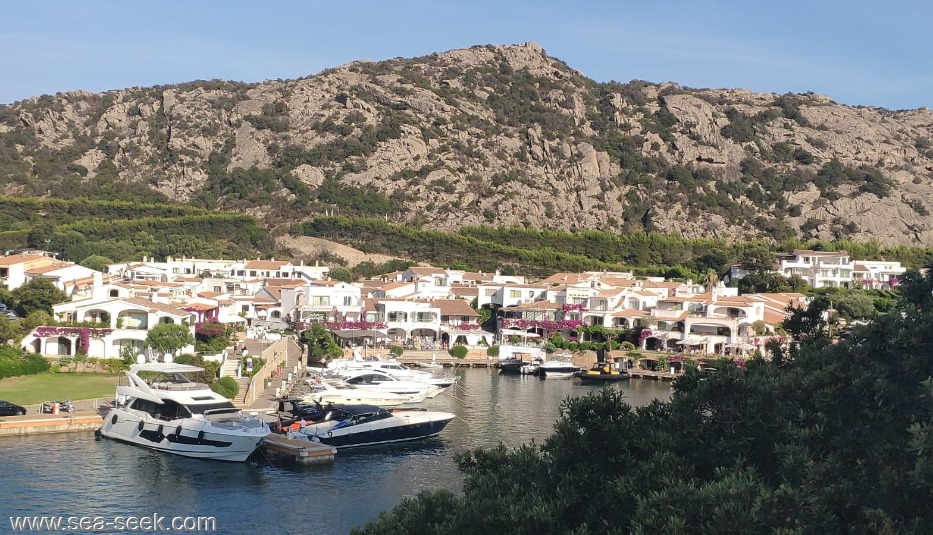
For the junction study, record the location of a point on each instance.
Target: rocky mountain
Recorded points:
(496, 135)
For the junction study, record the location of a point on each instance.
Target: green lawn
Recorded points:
(32, 389)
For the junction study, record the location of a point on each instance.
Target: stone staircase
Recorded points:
(238, 400)
(230, 368)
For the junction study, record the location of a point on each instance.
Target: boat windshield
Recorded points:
(174, 381)
(202, 408)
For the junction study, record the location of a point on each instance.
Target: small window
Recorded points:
(114, 293)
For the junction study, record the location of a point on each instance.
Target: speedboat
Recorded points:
(560, 374)
(339, 391)
(602, 372)
(558, 367)
(392, 367)
(531, 368)
(380, 380)
(510, 366)
(348, 426)
(170, 413)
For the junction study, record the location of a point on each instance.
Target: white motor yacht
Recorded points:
(386, 382)
(338, 391)
(393, 367)
(558, 367)
(168, 412)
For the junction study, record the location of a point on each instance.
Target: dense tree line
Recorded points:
(542, 252)
(80, 228)
(824, 438)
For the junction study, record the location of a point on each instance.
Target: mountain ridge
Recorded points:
(495, 135)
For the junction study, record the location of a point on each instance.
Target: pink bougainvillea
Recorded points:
(86, 333)
(354, 325)
(549, 325)
(643, 335)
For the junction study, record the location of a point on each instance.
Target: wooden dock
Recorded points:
(646, 374)
(301, 451)
(448, 362)
(43, 424)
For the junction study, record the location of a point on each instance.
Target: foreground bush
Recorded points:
(459, 352)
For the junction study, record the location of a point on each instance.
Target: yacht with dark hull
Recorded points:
(349, 426)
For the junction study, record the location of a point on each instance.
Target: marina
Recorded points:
(49, 474)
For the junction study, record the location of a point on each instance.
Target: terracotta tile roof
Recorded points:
(562, 278)
(265, 264)
(187, 279)
(161, 307)
(618, 282)
(773, 316)
(465, 291)
(609, 293)
(210, 295)
(470, 276)
(13, 259)
(283, 281)
(427, 271)
(42, 270)
(274, 292)
(200, 306)
(394, 285)
(454, 307)
(666, 284)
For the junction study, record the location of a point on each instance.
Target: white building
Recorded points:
(819, 268)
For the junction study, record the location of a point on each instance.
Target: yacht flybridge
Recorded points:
(168, 412)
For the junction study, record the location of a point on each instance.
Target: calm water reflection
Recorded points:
(75, 475)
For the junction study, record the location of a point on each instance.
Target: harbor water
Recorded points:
(76, 475)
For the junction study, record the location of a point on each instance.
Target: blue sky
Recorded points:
(856, 52)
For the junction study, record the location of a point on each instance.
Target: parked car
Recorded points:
(9, 409)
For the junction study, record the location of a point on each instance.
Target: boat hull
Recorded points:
(418, 425)
(602, 377)
(511, 366)
(188, 438)
(559, 374)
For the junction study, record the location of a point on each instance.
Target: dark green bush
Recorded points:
(226, 387)
(492, 351)
(396, 351)
(458, 352)
(14, 362)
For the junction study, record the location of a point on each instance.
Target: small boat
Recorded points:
(602, 372)
(558, 366)
(170, 413)
(560, 374)
(510, 366)
(349, 426)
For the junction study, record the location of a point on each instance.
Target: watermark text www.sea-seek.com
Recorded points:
(154, 522)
